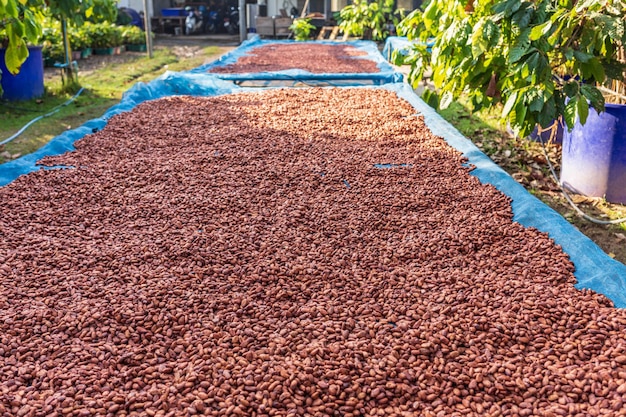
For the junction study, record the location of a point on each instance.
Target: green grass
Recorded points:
(103, 88)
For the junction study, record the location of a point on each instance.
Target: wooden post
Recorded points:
(147, 24)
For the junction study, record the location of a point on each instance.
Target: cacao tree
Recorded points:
(542, 59)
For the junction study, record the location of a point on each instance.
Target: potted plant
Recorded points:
(541, 61)
(105, 38)
(373, 20)
(77, 43)
(134, 38)
(301, 28)
(21, 63)
(52, 43)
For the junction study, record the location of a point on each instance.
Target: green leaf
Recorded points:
(510, 103)
(583, 109)
(582, 56)
(521, 47)
(570, 113)
(10, 9)
(520, 113)
(15, 55)
(548, 113)
(536, 99)
(446, 99)
(571, 88)
(480, 43)
(597, 70)
(431, 98)
(540, 30)
(594, 96)
(522, 17)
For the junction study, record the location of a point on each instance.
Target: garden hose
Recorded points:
(36, 119)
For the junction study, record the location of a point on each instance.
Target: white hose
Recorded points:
(36, 119)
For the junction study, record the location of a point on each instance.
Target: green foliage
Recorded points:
(301, 29)
(362, 18)
(132, 35)
(52, 41)
(103, 11)
(80, 38)
(74, 11)
(20, 24)
(541, 59)
(105, 35)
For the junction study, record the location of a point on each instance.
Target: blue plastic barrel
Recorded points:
(28, 83)
(594, 155)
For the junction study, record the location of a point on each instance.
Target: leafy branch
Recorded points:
(540, 59)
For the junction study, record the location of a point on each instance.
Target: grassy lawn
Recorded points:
(104, 87)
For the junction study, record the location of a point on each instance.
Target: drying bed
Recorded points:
(353, 63)
(236, 255)
(316, 58)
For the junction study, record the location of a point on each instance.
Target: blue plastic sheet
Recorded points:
(386, 75)
(400, 45)
(594, 269)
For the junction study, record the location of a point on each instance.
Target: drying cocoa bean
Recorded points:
(288, 252)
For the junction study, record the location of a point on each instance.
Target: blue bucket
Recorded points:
(28, 83)
(594, 155)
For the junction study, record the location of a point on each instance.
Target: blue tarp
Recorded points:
(594, 269)
(401, 45)
(386, 75)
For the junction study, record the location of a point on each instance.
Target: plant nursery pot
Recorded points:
(594, 155)
(103, 51)
(136, 48)
(28, 83)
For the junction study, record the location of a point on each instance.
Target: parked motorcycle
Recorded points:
(194, 23)
(231, 23)
(214, 20)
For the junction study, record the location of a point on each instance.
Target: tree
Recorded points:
(541, 59)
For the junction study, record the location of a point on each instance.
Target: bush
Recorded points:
(79, 38)
(540, 60)
(52, 41)
(105, 35)
(132, 35)
(365, 19)
(301, 29)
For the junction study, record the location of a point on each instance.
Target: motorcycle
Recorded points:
(214, 21)
(231, 23)
(194, 23)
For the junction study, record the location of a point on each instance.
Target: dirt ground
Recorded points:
(526, 164)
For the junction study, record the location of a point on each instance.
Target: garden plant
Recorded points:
(542, 60)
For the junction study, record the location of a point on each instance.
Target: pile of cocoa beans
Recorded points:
(303, 252)
(315, 58)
